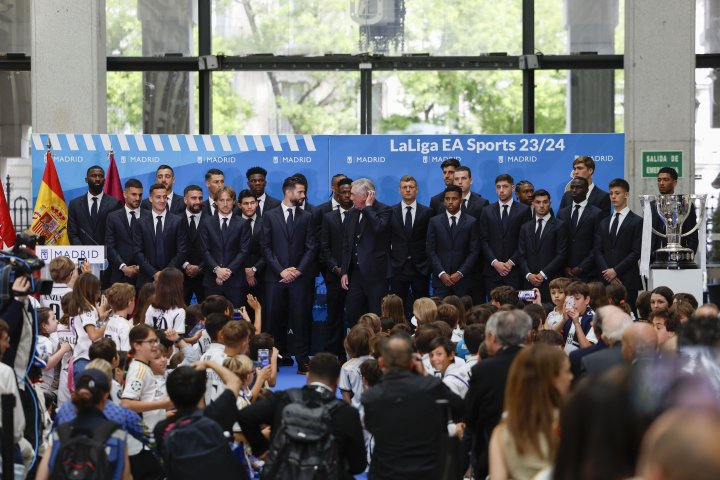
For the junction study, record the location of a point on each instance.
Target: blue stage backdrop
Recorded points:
(545, 160)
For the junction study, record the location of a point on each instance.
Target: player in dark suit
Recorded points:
(122, 266)
(437, 202)
(410, 264)
(500, 225)
(158, 244)
(366, 252)
(452, 246)
(225, 241)
(667, 182)
(472, 203)
(332, 235)
(584, 166)
(165, 175)
(618, 242)
(214, 181)
(87, 214)
(320, 210)
(288, 245)
(542, 247)
(191, 219)
(580, 221)
(256, 182)
(254, 261)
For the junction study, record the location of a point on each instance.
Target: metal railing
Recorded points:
(20, 209)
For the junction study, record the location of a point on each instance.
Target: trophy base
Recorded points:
(674, 259)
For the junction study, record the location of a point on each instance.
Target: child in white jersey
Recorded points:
(357, 346)
(167, 307)
(64, 335)
(88, 311)
(556, 318)
(63, 273)
(121, 297)
(49, 349)
(232, 339)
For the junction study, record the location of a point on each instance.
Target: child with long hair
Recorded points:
(64, 336)
(88, 312)
(167, 307)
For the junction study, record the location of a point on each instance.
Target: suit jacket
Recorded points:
(581, 238)
(484, 400)
(689, 241)
(255, 257)
(194, 254)
(119, 243)
(332, 234)
(281, 250)
(547, 256)
(228, 251)
(600, 362)
(80, 228)
(344, 424)
(498, 243)
(407, 438)
(270, 203)
(174, 242)
(598, 198)
(177, 205)
(455, 252)
(206, 210)
(622, 254)
(410, 247)
(373, 234)
(475, 205)
(437, 203)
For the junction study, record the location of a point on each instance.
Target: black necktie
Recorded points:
(224, 226)
(452, 225)
(93, 211)
(614, 226)
(167, 205)
(342, 217)
(575, 216)
(252, 225)
(538, 231)
(290, 222)
(504, 216)
(463, 206)
(193, 226)
(133, 220)
(408, 220)
(214, 208)
(159, 244)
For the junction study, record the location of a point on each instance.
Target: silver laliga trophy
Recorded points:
(674, 210)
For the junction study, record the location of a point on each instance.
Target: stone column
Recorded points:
(659, 88)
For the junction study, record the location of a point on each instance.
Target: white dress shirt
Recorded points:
(127, 213)
(413, 211)
(582, 204)
(457, 221)
(90, 196)
(623, 214)
(261, 202)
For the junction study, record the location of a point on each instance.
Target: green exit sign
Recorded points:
(653, 161)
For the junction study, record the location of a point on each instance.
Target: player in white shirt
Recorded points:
(167, 310)
(63, 273)
(121, 297)
(87, 318)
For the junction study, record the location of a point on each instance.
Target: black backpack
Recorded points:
(195, 446)
(83, 457)
(304, 447)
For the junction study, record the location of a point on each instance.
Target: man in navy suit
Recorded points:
(366, 252)
(329, 206)
(542, 246)
(452, 246)
(667, 178)
(165, 175)
(410, 265)
(437, 202)
(618, 242)
(472, 203)
(500, 225)
(192, 217)
(87, 214)
(256, 182)
(159, 239)
(214, 181)
(122, 266)
(332, 235)
(225, 241)
(580, 221)
(288, 245)
(254, 261)
(584, 167)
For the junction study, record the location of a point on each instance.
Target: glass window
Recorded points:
(15, 30)
(286, 102)
(391, 27)
(152, 102)
(170, 27)
(428, 102)
(572, 26)
(707, 26)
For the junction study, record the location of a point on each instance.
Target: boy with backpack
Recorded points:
(313, 434)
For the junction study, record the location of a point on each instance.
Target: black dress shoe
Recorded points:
(285, 361)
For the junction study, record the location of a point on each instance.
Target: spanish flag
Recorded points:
(50, 217)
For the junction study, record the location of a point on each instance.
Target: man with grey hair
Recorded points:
(613, 322)
(365, 270)
(505, 334)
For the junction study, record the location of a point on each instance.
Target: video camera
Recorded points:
(21, 261)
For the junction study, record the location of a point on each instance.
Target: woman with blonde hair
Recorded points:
(424, 311)
(525, 441)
